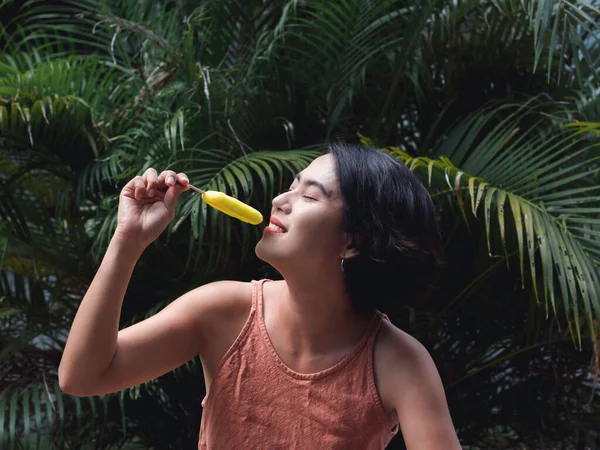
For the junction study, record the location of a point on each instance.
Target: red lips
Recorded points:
(275, 221)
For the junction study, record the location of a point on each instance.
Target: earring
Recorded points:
(342, 264)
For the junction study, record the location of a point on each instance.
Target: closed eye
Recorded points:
(304, 196)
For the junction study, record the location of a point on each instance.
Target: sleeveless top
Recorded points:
(257, 402)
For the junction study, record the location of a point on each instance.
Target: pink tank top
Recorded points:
(257, 402)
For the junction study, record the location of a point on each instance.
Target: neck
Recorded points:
(315, 313)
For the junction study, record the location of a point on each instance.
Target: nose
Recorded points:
(281, 203)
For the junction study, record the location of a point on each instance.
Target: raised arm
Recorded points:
(98, 358)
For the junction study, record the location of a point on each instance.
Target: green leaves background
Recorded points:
(494, 104)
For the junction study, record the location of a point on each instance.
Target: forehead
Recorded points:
(322, 169)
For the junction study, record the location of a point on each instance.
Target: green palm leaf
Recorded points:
(540, 177)
(40, 292)
(37, 410)
(197, 86)
(339, 42)
(561, 27)
(37, 103)
(564, 33)
(106, 27)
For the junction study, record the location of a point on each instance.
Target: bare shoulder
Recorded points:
(222, 297)
(399, 348)
(409, 384)
(398, 357)
(221, 308)
(272, 290)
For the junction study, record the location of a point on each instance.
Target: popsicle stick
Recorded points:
(196, 189)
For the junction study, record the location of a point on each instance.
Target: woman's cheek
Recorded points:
(319, 224)
(323, 231)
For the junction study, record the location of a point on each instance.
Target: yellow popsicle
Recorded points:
(230, 206)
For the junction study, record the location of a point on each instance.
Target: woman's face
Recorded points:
(311, 216)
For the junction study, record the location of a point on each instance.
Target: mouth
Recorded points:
(274, 228)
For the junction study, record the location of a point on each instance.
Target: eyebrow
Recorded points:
(316, 184)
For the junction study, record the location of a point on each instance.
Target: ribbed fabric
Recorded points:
(257, 402)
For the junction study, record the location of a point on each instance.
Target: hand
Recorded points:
(147, 205)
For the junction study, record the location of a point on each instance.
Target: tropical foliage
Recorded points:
(494, 104)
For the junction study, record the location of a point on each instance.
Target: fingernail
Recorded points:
(170, 180)
(151, 193)
(185, 179)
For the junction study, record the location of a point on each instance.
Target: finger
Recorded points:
(167, 178)
(151, 181)
(158, 197)
(183, 180)
(139, 186)
(172, 195)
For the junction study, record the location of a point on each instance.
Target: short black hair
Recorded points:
(393, 223)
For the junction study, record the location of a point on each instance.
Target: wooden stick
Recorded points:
(196, 189)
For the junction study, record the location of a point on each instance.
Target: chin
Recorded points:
(261, 252)
(266, 253)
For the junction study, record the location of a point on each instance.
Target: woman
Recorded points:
(306, 362)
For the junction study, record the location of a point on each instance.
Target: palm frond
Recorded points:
(104, 27)
(540, 179)
(40, 291)
(584, 127)
(36, 100)
(563, 32)
(339, 42)
(41, 410)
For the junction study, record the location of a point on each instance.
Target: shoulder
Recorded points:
(219, 309)
(399, 357)
(218, 297)
(409, 384)
(400, 348)
(401, 364)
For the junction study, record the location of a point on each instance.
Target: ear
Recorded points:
(350, 253)
(351, 250)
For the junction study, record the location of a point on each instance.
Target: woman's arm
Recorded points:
(98, 358)
(154, 346)
(411, 384)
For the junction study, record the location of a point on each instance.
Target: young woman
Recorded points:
(306, 362)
